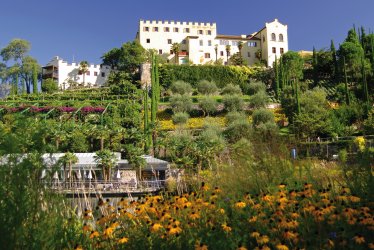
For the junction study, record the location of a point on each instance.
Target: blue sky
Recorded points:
(85, 29)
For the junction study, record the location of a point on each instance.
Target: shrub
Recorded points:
(181, 103)
(180, 118)
(262, 116)
(181, 87)
(232, 89)
(234, 116)
(259, 100)
(238, 130)
(233, 102)
(49, 86)
(255, 87)
(208, 105)
(206, 87)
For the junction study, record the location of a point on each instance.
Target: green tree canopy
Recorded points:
(293, 65)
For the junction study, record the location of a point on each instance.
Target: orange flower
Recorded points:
(156, 227)
(262, 239)
(359, 239)
(94, 234)
(255, 234)
(252, 219)
(226, 228)
(194, 216)
(282, 247)
(201, 246)
(123, 240)
(240, 204)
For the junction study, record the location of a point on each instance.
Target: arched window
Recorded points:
(273, 37)
(280, 37)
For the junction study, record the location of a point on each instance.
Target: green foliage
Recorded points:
(231, 89)
(127, 58)
(181, 103)
(15, 50)
(234, 116)
(49, 85)
(237, 59)
(262, 115)
(208, 105)
(206, 87)
(369, 123)
(181, 88)
(352, 53)
(233, 102)
(180, 118)
(221, 75)
(259, 100)
(120, 84)
(293, 65)
(264, 124)
(255, 87)
(238, 130)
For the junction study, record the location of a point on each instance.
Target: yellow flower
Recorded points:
(262, 239)
(371, 245)
(108, 231)
(201, 246)
(78, 247)
(282, 247)
(94, 234)
(123, 240)
(156, 227)
(264, 247)
(241, 248)
(226, 228)
(175, 230)
(252, 219)
(240, 204)
(255, 234)
(86, 228)
(359, 239)
(222, 211)
(354, 199)
(194, 216)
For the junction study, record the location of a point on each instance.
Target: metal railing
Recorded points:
(105, 186)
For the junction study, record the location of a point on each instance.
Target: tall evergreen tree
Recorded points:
(364, 82)
(276, 70)
(347, 96)
(146, 121)
(297, 96)
(363, 38)
(35, 79)
(335, 61)
(315, 67)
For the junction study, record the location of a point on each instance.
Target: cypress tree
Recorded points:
(276, 77)
(281, 80)
(363, 38)
(335, 61)
(372, 53)
(146, 122)
(297, 96)
(347, 96)
(315, 69)
(364, 82)
(35, 79)
(153, 93)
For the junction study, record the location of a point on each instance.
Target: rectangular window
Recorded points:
(184, 41)
(249, 54)
(87, 73)
(176, 29)
(208, 32)
(221, 53)
(155, 29)
(274, 50)
(200, 32)
(146, 29)
(95, 73)
(160, 51)
(167, 29)
(234, 43)
(281, 50)
(252, 44)
(210, 43)
(102, 74)
(224, 42)
(187, 30)
(148, 40)
(170, 41)
(207, 55)
(201, 42)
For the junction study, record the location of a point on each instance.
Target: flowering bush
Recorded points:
(302, 218)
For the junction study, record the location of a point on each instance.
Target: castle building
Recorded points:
(67, 75)
(199, 43)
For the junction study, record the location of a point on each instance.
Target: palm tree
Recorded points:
(102, 133)
(175, 47)
(240, 46)
(70, 159)
(83, 68)
(228, 49)
(107, 160)
(216, 50)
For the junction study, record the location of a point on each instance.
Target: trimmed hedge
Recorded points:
(221, 75)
